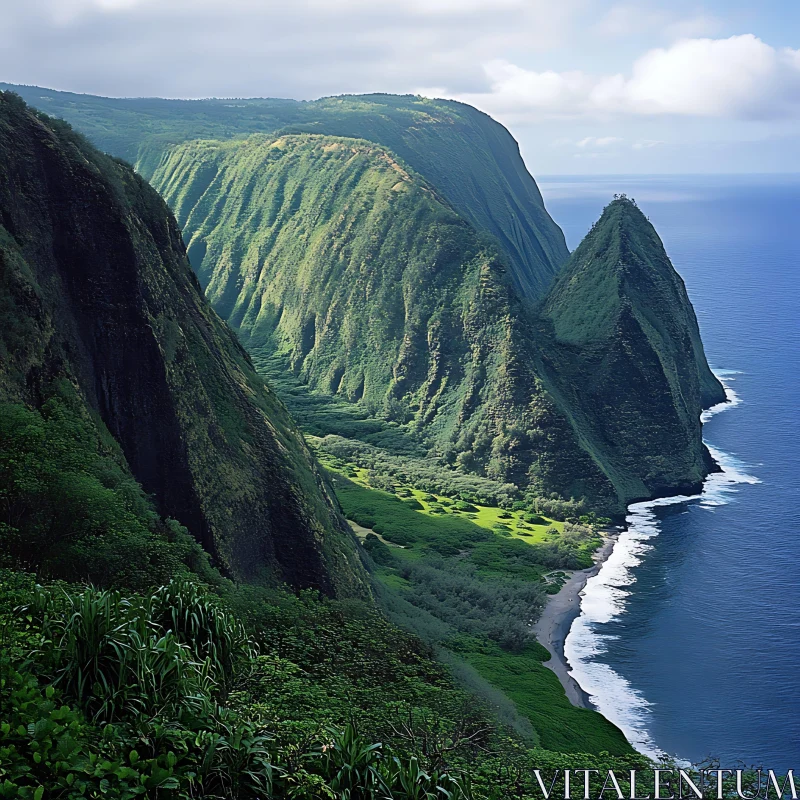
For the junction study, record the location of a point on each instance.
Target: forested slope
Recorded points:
(472, 160)
(103, 317)
(329, 252)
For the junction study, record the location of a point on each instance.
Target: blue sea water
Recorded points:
(689, 638)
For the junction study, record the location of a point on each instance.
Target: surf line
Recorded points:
(603, 599)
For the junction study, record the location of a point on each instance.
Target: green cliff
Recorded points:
(472, 160)
(101, 312)
(393, 253)
(625, 359)
(355, 270)
(329, 253)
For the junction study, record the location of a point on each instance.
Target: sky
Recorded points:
(586, 86)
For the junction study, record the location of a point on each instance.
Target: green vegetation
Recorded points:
(387, 338)
(163, 678)
(620, 310)
(235, 691)
(472, 587)
(396, 471)
(341, 267)
(169, 694)
(451, 534)
(471, 511)
(151, 367)
(445, 141)
(129, 696)
(538, 696)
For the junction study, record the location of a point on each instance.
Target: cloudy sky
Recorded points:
(585, 85)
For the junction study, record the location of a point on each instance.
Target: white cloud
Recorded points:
(740, 77)
(458, 6)
(735, 77)
(602, 141)
(300, 48)
(115, 5)
(523, 61)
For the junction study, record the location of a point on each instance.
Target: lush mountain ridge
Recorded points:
(472, 160)
(375, 274)
(625, 358)
(328, 252)
(98, 296)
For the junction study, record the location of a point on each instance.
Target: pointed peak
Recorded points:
(622, 210)
(621, 265)
(624, 231)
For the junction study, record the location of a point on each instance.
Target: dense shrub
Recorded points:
(124, 696)
(69, 507)
(429, 474)
(456, 593)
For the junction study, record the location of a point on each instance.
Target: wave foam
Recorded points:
(604, 596)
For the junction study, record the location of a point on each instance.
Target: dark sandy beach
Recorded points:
(557, 618)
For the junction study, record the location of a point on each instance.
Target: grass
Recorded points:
(400, 524)
(392, 580)
(488, 517)
(494, 552)
(538, 695)
(433, 536)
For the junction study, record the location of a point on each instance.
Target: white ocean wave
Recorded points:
(604, 597)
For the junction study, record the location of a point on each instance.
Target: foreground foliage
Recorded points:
(164, 695)
(129, 696)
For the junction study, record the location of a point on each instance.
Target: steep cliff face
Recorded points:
(356, 270)
(625, 358)
(410, 271)
(327, 251)
(473, 161)
(97, 290)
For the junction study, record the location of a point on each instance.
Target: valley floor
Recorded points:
(466, 563)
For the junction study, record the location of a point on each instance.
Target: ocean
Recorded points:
(689, 637)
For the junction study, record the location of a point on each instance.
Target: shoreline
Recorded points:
(556, 622)
(561, 611)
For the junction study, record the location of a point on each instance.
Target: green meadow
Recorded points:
(470, 578)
